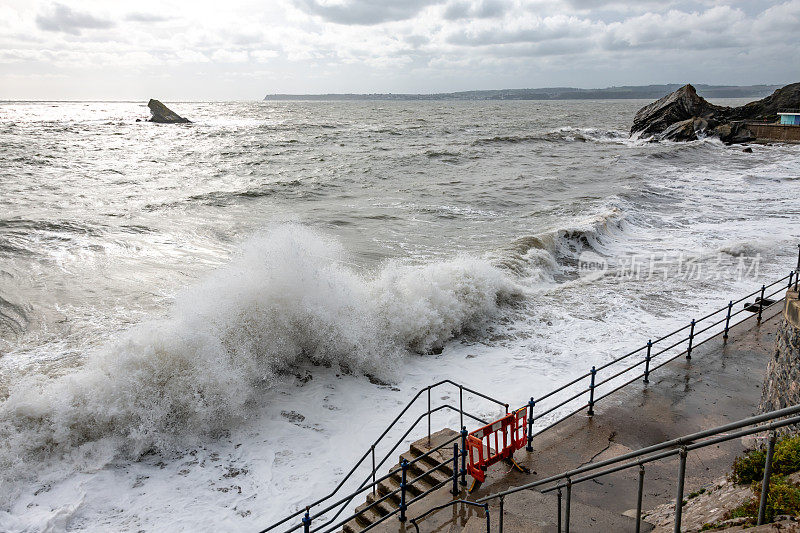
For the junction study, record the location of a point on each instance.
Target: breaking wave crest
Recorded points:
(285, 301)
(565, 134)
(548, 252)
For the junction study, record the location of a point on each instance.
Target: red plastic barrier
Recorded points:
(495, 442)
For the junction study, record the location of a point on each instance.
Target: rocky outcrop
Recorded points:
(164, 115)
(782, 381)
(675, 108)
(765, 110)
(685, 116)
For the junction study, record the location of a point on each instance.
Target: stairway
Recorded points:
(443, 457)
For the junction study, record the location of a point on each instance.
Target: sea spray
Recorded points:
(285, 300)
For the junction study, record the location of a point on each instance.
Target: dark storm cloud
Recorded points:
(365, 12)
(63, 19)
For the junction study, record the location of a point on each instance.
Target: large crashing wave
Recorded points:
(286, 300)
(559, 249)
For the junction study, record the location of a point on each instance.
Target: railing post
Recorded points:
(791, 275)
(404, 468)
(591, 394)
(762, 504)
(500, 521)
(531, 404)
(455, 490)
(761, 302)
(306, 522)
(429, 415)
(486, 511)
(566, 505)
(798, 258)
(639, 499)
(679, 496)
(461, 404)
(559, 510)
(691, 340)
(647, 361)
(728, 319)
(463, 456)
(373, 470)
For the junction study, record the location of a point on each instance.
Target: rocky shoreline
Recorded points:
(685, 116)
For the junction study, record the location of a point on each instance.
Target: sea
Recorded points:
(204, 326)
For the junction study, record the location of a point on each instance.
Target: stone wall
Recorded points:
(782, 380)
(774, 132)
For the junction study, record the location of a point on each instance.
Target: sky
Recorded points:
(243, 49)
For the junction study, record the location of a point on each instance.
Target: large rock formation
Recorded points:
(685, 116)
(680, 106)
(163, 114)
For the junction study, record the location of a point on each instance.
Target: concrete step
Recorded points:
(393, 483)
(369, 514)
(425, 469)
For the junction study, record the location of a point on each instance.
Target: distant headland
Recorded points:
(551, 93)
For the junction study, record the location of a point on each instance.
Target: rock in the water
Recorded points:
(685, 116)
(748, 150)
(680, 131)
(679, 106)
(733, 133)
(164, 115)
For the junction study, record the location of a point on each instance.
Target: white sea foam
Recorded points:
(286, 300)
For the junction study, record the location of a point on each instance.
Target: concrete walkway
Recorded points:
(721, 384)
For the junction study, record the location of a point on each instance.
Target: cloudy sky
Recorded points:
(243, 49)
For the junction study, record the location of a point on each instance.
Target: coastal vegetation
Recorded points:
(783, 499)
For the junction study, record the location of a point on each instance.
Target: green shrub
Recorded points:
(749, 467)
(786, 458)
(695, 494)
(783, 498)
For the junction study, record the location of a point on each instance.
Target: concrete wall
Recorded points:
(775, 132)
(782, 380)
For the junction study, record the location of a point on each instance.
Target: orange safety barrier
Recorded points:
(509, 434)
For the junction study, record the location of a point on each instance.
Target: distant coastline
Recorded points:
(551, 93)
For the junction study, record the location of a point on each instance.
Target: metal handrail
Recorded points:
(391, 473)
(371, 450)
(678, 446)
(347, 499)
(389, 495)
(693, 335)
(533, 417)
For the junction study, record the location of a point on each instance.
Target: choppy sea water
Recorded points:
(202, 327)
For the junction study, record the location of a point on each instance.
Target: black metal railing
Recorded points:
(365, 485)
(456, 478)
(680, 446)
(654, 353)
